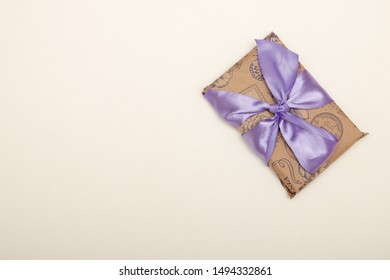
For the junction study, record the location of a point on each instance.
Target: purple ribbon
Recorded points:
(311, 145)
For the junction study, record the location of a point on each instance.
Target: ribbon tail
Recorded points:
(311, 145)
(262, 138)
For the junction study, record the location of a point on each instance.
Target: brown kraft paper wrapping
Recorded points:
(245, 78)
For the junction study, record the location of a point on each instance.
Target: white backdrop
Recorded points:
(109, 151)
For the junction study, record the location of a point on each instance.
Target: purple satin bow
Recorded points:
(311, 145)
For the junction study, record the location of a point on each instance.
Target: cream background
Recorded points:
(109, 151)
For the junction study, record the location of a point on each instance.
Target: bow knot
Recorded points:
(278, 108)
(311, 145)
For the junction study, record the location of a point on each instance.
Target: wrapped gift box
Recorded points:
(246, 78)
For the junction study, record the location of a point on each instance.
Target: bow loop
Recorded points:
(311, 145)
(281, 67)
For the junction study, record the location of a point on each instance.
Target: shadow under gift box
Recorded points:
(245, 77)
